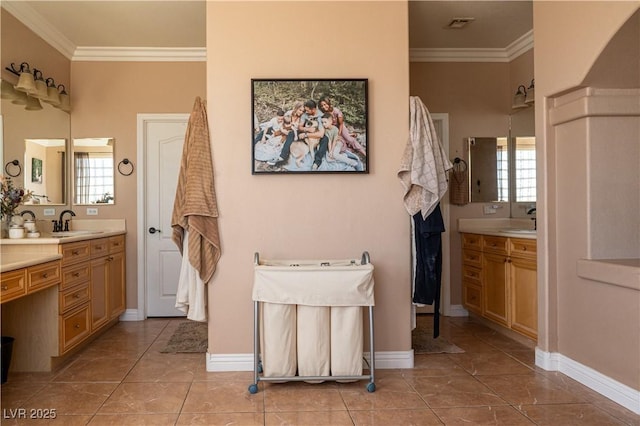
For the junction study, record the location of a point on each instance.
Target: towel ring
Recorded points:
(457, 161)
(126, 162)
(14, 163)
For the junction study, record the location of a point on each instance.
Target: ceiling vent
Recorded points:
(459, 23)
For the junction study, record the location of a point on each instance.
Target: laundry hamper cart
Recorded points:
(308, 320)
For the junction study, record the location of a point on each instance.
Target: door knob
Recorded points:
(153, 230)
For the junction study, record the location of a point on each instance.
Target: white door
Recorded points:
(162, 138)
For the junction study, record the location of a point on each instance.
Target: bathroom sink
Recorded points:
(62, 234)
(518, 231)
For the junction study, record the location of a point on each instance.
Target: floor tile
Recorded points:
(455, 391)
(158, 367)
(302, 397)
(71, 398)
(391, 393)
(489, 363)
(492, 415)
(569, 415)
(528, 389)
(96, 370)
(420, 417)
(146, 398)
(134, 419)
(211, 419)
(221, 397)
(316, 418)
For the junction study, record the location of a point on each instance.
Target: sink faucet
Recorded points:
(535, 222)
(57, 226)
(33, 215)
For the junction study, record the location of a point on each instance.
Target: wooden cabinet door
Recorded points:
(524, 296)
(117, 283)
(99, 292)
(495, 289)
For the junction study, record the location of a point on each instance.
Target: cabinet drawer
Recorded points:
(74, 275)
(116, 244)
(521, 247)
(73, 297)
(472, 297)
(472, 241)
(493, 244)
(13, 284)
(74, 327)
(42, 276)
(472, 258)
(75, 252)
(471, 274)
(99, 247)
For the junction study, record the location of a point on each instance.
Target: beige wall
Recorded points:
(107, 99)
(19, 44)
(308, 216)
(591, 323)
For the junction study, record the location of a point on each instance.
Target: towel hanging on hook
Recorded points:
(459, 190)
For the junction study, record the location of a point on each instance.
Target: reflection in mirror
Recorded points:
(93, 171)
(488, 169)
(525, 165)
(45, 170)
(48, 124)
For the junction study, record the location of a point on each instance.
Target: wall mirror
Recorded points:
(93, 171)
(45, 170)
(503, 168)
(488, 169)
(38, 139)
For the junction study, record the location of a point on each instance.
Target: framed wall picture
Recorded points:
(309, 126)
(36, 170)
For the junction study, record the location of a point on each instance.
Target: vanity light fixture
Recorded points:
(32, 88)
(519, 98)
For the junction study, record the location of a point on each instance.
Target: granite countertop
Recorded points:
(13, 261)
(47, 238)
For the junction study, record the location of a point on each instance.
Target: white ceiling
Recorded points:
(81, 28)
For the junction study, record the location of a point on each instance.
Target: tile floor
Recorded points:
(123, 379)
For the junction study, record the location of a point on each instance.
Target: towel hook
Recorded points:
(126, 162)
(14, 163)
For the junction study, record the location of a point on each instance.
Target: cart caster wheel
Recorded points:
(371, 387)
(253, 389)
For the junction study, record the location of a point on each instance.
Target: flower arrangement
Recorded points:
(12, 197)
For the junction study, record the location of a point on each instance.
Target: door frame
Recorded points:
(142, 120)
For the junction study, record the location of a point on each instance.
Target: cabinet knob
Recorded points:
(5, 287)
(524, 248)
(75, 252)
(45, 275)
(76, 274)
(76, 326)
(76, 296)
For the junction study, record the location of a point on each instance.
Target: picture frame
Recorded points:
(36, 170)
(309, 126)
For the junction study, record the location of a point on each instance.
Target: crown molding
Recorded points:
(140, 54)
(515, 49)
(40, 26)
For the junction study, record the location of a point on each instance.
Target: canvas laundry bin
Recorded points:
(311, 318)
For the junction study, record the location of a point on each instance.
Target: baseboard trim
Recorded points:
(457, 311)
(244, 362)
(604, 385)
(131, 315)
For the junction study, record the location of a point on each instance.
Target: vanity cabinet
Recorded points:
(92, 291)
(107, 280)
(499, 280)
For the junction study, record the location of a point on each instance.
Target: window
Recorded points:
(94, 177)
(525, 169)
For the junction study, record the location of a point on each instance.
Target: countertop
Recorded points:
(13, 261)
(512, 228)
(23, 252)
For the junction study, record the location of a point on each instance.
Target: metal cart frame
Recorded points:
(257, 363)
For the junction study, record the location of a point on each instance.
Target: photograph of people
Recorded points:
(311, 136)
